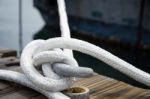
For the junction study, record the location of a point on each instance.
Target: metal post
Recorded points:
(20, 25)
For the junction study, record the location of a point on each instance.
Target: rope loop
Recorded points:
(65, 66)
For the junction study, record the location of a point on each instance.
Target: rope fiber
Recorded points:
(59, 68)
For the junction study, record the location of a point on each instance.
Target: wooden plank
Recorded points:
(20, 94)
(108, 88)
(5, 52)
(9, 61)
(101, 87)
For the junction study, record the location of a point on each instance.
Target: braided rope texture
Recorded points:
(48, 69)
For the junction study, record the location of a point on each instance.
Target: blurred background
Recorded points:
(119, 26)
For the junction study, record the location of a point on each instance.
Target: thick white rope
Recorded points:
(59, 67)
(23, 80)
(64, 27)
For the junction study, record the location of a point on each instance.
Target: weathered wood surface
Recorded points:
(101, 87)
(8, 57)
(5, 52)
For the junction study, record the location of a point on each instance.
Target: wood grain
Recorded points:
(101, 87)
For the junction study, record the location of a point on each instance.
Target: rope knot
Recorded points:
(58, 69)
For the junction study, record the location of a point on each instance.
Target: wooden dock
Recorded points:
(101, 87)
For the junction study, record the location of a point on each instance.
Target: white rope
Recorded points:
(64, 27)
(59, 67)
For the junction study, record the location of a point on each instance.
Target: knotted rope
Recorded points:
(59, 68)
